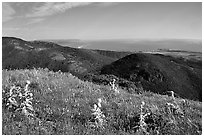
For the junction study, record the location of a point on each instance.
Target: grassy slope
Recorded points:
(70, 100)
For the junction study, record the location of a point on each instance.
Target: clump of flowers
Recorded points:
(174, 109)
(142, 119)
(20, 99)
(99, 117)
(114, 86)
(172, 94)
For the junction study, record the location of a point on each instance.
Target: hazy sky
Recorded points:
(102, 20)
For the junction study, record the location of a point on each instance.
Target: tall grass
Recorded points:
(59, 103)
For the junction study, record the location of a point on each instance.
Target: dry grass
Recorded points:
(63, 104)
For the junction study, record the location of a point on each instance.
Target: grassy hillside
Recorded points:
(39, 101)
(159, 73)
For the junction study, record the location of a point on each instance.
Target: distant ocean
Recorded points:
(133, 45)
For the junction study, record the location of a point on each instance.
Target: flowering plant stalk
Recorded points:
(142, 119)
(98, 114)
(114, 86)
(20, 99)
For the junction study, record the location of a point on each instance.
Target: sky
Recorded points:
(105, 20)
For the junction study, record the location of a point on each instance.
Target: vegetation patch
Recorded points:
(43, 102)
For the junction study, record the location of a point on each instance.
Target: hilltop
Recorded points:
(160, 73)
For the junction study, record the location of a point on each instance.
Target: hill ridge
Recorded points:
(159, 73)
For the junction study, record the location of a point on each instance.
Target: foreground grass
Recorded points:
(63, 104)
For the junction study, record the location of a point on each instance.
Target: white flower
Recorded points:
(172, 94)
(143, 103)
(142, 119)
(13, 101)
(27, 84)
(98, 114)
(99, 102)
(114, 86)
(21, 98)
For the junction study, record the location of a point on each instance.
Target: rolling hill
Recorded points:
(159, 73)
(177, 71)
(20, 54)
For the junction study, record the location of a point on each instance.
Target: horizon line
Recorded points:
(110, 39)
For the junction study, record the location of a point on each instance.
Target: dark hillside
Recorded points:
(20, 54)
(159, 73)
(113, 54)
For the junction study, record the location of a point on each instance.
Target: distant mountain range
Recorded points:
(179, 71)
(133, 45)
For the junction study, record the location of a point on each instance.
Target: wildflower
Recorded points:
(27, 85)
(113, 86)
(20, 99)
(172, 94)
(184, 102)
(175, 109)
(142, 119)
(99, 102)
(12, 102)
(13, 93)
(98, 114)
